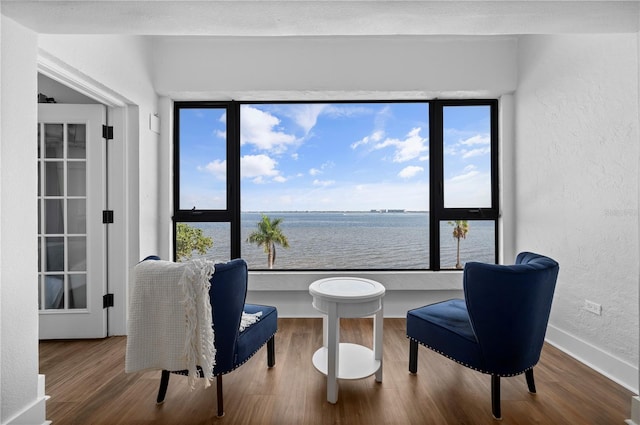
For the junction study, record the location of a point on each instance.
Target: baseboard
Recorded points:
(35, 414)
(635, 412)
(617, 370)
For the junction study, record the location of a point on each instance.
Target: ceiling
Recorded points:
(323, 18)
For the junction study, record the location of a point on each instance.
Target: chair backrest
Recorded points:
(509, 307)
(228, 293)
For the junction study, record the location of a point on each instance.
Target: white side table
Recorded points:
(338, 297)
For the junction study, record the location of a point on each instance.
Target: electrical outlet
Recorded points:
(592, 307)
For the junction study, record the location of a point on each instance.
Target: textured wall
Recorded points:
(18, 222)
(577, 179)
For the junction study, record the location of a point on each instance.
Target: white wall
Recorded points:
(577, 187)
(123, 65)
(253, 68)
(19, 386)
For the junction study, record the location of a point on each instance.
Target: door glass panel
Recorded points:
(39, 138)
(55, 254)
(77, 216)
(77, 179)
(77, 291)
(467, 156)
(53, 140)
(54, 216)
(203, 154)
(466, 240)
(77, 248)
(54, 178)
(54, 292)
(77, 141)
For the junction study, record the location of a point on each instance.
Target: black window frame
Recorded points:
(437, 211)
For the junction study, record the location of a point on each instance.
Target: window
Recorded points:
(341, 185)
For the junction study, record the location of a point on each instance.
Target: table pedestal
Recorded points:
(345, 360)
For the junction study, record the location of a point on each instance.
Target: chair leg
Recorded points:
(164, 383)
(219, 393)
(271, 352)
(495, 397)
(531, 383)
(413, 356)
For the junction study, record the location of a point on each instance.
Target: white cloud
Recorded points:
(260, 129)
(475, 152)
(258, 166)
(478, 139)
(217, 168)
(468, 172)
(410, 171)
(279, 179)
(323, 183)
(472, 188)
(306, 115)
(376, 136)
(315, 171)
(409, 148)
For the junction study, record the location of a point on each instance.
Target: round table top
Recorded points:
(346, 289)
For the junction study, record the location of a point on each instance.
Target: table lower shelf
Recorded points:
(355, 361)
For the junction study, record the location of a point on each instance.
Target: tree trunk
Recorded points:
(458, 265)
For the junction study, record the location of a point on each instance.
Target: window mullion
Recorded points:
(436, 195)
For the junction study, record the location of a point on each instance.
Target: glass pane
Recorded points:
(350, 182)
(77, 141)
(466, 240)
(77, 179)
(53, 141)
(39, 144)
(77, 216)
(336, 240)
(77, 249)
(203, 158)
(467, 156)
(77, 291)
(40, 306)
(53, 216)
(54, 178)
(55, 254)
(203, 240)
(54, 292)
(39, 254)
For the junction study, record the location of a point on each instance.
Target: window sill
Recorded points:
(392, 280)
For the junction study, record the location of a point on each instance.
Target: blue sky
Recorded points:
(335, 157)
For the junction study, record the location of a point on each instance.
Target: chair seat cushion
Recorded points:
(256, 335)
(445, 327)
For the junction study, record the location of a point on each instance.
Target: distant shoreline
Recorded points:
(380, 211)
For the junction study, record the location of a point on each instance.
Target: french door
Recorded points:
(71, 233)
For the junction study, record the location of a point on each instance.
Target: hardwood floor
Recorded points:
(87, 385)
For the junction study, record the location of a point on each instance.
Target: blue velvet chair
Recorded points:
(233, 348)
(499, 326)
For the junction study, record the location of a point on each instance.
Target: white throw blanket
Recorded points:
(170, 325)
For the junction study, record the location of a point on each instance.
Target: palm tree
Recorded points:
(460, 230)
(267, 236)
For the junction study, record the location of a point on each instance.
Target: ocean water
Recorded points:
(354, 240)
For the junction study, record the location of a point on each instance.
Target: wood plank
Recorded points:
(87, 385)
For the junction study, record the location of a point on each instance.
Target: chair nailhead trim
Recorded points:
(186, 372)
(469, 366)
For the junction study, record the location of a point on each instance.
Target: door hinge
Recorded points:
(107, 216)
(107, 300)
(107, 132)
